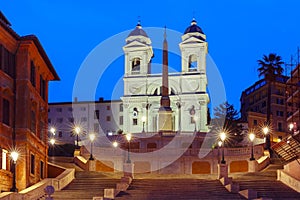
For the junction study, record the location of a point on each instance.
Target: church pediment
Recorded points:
(192, 40)
(135, 44)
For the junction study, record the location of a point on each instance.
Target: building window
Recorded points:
(136, 65)
(59, 120)
(60, 134)
(32, 74)
(83, 119)
(255, 122)
(134, 122)
(135, 112)
(279, 126)
(82, 108)
(33, 122)
(121, 107)
(279, 101)
(108, 118)
(6, 112)
(59, 109)
(71, 119)
(263, 104)
(43, 87)
(70, 109)
(4, 159)
(7, 61)
(107, 107)
(192, 63)
(32, 164)
(49, 121)
(42, 169)
(121, 120)
(96, 116)
(279, 113)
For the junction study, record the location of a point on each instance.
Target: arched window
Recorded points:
(136, 65)
(135, 116)
(193, 63)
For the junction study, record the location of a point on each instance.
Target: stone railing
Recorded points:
(81, 162)
(36, 191)
(290, 175)
(63, 179)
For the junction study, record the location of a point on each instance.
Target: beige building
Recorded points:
(293, 100)
(254, 107)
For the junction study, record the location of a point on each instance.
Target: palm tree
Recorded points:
(270, 68)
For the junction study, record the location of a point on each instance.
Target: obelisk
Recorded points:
(165, 111)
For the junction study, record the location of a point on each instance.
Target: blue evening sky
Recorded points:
(238, 34)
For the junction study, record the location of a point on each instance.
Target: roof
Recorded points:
(138, 31)
(193, 28)
(42, 53)
(4, 20)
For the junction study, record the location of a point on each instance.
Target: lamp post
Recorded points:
(14, 155)
(52, 142)
(219, 146)
(92, 138)
(267, 137)
(52, 130)
(223, 137)
(143, 120)
(77, 131)
(128, 137)
(252, 137)
(115, 144)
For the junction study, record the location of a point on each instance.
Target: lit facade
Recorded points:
(137, 111)
(100, 117)
(25, 71)
(293, 100)
(254, 107)
(187, 88)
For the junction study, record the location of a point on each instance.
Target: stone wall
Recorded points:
(5, 180)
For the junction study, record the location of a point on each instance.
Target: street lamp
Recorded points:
(143, 120)
(128, 137)
(252, 137)
(52, 142)
(92, 138)
(52, 130)
(14, 155)
(77, 131)
(219, 146)
(267, 137)
(115, 144)
(223, 137)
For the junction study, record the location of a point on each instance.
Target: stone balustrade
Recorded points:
(36, 191)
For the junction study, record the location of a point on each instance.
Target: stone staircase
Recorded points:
(191, 189)
(85, 186)
(266, 184)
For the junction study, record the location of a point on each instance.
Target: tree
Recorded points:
(270, 68)
(226, 119)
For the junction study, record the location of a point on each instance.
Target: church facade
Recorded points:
(187, 88)
(138, 109)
